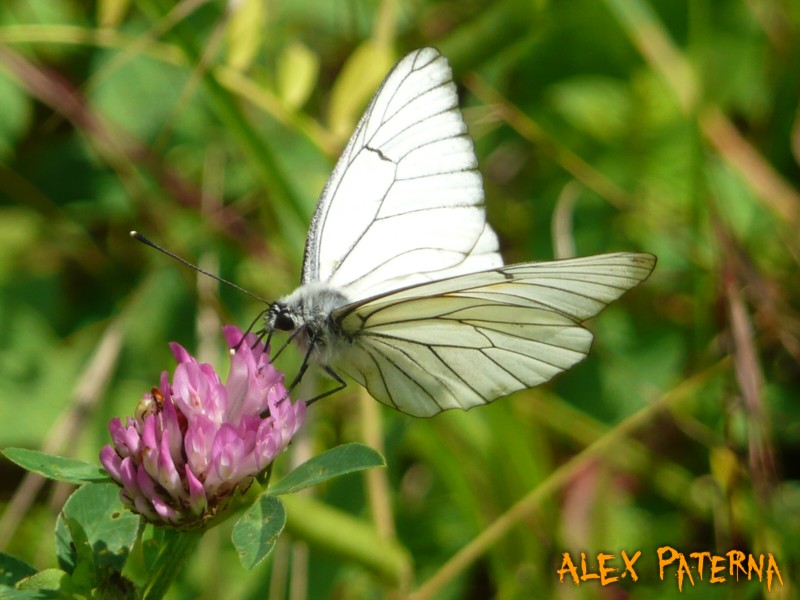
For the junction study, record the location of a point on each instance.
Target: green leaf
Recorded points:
(347, 458)
(85, 574)
(8, 593)
(110, 13)
(44, 584)
(245, 32)
(256, 532)
(56, 467)
(297, 72)
(110, 528)
(13, 569)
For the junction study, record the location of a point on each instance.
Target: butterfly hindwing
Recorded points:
(471, 339)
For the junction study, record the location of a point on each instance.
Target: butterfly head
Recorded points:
(280, 316)
(306, 314)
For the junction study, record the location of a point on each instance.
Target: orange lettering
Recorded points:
(716, 568)
(584, 574)
(604, 571)
(700, 556)
(752, 566)
(736, 558)
(629, 564)
(567, 566)
(772, 566)
(663, 563)
(683, 567)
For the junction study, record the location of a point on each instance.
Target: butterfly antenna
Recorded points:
(139, 237)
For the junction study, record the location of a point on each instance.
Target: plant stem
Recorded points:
(178, 545)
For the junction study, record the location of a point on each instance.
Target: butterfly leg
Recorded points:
(285, 345)
(301, 372)
(342, 384)
(298, 377)
(303, 367)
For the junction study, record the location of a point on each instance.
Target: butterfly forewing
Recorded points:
(470, 339)
(404, 204)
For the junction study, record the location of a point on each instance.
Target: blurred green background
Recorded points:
(663, 126)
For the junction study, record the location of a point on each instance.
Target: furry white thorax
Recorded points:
(310, 307)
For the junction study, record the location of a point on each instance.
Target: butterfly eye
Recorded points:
(284, 322)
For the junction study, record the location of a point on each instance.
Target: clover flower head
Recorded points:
(194, 442)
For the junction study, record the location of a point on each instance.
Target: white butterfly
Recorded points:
(403, 288)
